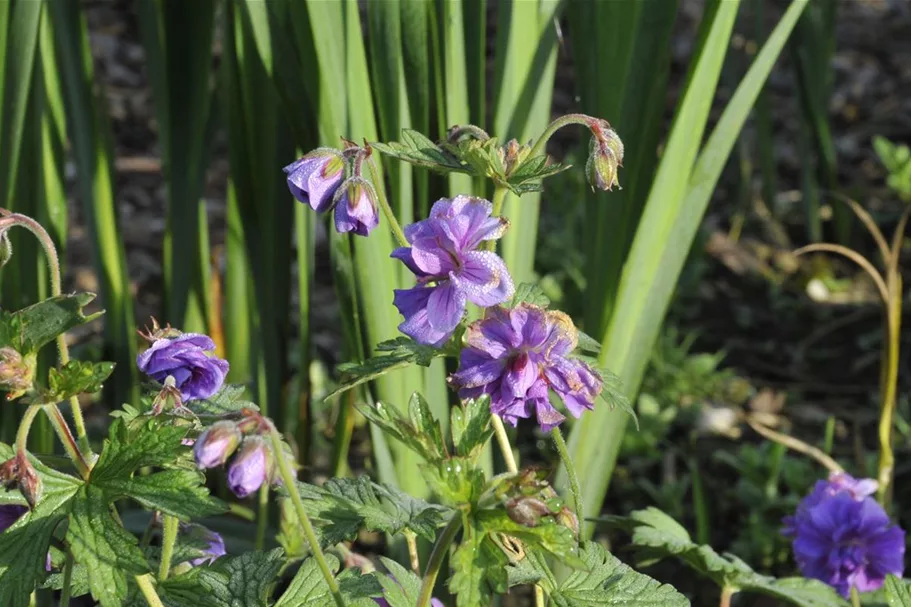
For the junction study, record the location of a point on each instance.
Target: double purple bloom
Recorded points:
(450, 271)
(316, 179)
(516, 356)
(188, 359)
(843, 537)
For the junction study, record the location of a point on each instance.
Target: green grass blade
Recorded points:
(178, 41)
(669, 224)
(416, 62)
(22, 44)
(90, 134)
(625, 83)
(456, 81)
(522, 110)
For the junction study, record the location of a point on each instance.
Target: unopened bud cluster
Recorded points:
(17, 372)
(242, 447)
(605, 156)
(327, 179)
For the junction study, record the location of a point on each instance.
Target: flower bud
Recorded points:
(6, 248)
(568, 518)
(605, 156)
(356, 207)
(17, 372)
(18, 473)
(215, 445)
(315, 178)
(251, 467)
(527, 510)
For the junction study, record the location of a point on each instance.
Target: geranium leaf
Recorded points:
(24, 545)
(244, 580)
(529, 293)
(75, 378)
(111, 554)
(470, 426)
(343, 506)
(230, 399)
(607, 581)
(398, 353)
(429, 446)
(28, 329)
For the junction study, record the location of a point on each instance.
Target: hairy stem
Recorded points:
(66, 591)
(855, 597)
(539, 597)
(53, 262)
(440, 548)
(570, 472)
(384, 205)
(503, 440)
(24, 426)
(726, 594)
(412, 540)
(168, 540)
(66, 438)
(289, 481)
(555, 126)
(889, 391)
(148, 590)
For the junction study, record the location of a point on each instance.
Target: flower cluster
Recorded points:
(516, 356)
(188, 359)
(317, 179)
(843, 537)
(241, 446)
(449, 269)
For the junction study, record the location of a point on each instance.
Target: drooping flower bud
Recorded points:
(18, 473)
(356, 207)
(568, 518)
(6, 248)
(315, 178)
(251, 467)
(17, 372)
(215, 445)
(605, 156)
(527, 510)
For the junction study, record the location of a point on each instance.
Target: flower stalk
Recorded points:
(9, 220)
(440, 549)
(574, 487)
(168, 540)
(499, 431)
(289, 481)
(148, 590)
(384, 204)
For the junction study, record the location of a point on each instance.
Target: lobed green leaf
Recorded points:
(400, 352)
(607, 581)
(394, 423)
(74, 378)
(31, 328)
(470, 426)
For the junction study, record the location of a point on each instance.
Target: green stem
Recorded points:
(262, 516)
(148, 590)
(889, 391)
(170, 526)
(290, 485)
(855, 597)
(66, 438)
(24, 426)
(384, 205)
(726, 594)
(499, 197)
(66, 591)
(440, 549)
(503, 440)
(555, 126)
(53, 262)
(574, 487)
(539, 597)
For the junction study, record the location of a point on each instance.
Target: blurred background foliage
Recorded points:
(149, 136)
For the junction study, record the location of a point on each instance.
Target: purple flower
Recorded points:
(450, 271)
(250, 468)
(355, 207)
(844, 538)
(9, 515)
(214, 544)
(187, 359)
(516, 355)
(314, 178)
(215, 445)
